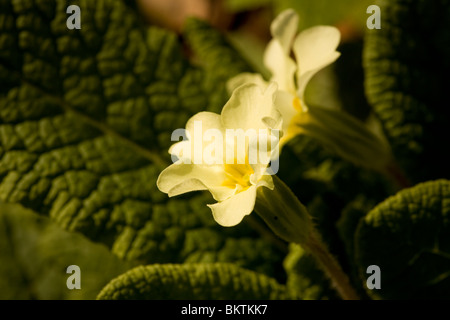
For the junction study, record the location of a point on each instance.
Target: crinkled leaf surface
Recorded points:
(85, 123)
(218, 59)
(35, 254)
(407, 236)
(193, 281)
(407, 68)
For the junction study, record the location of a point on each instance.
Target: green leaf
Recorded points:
(35, 254)
(193, 281)
(86, 118)
(242, 5)
(304, 278)
(407, 64)
(320, 12)
(217, 57)
(407, 237)
(353, 212)
(347, 224)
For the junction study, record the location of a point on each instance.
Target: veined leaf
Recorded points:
(407, 64)
(193, 281)
(86, 118)
(407, 236)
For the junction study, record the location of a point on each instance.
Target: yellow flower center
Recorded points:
(238, 175)
(297, 104)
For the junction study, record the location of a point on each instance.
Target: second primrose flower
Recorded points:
(313, 49)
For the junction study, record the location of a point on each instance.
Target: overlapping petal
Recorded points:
(284, 104)
(181, 178)
(246, 78)
(284, 28)
(196, 137)
(248, 106)
(277, 54)
(314, 49)
(208, 121)
(280, 65)
(230, 212)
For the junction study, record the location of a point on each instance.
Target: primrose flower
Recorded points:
(314, 49)
(228, 153)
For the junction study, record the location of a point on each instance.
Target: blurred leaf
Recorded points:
(407, 236)
(349, 74)
(323, 89)
(243, 5)
(326, 12)
(407, 64)
(86, 118)
(349, 220)
(219, 60)
(35, 254)
(317, 12)
(131, 3)
(193, 281)
(252, 49)
(347, 224)
(304, 278)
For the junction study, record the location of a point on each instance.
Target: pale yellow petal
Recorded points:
(245, 78)
(182, 178)
(285, 105)
(208, 120)
(261, 178)
(277, 54)
(283, 29)
(281, 66)
(314, 48)
(248, 106)
(230, 212)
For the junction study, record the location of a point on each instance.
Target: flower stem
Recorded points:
(330, 266)
(288, 218)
